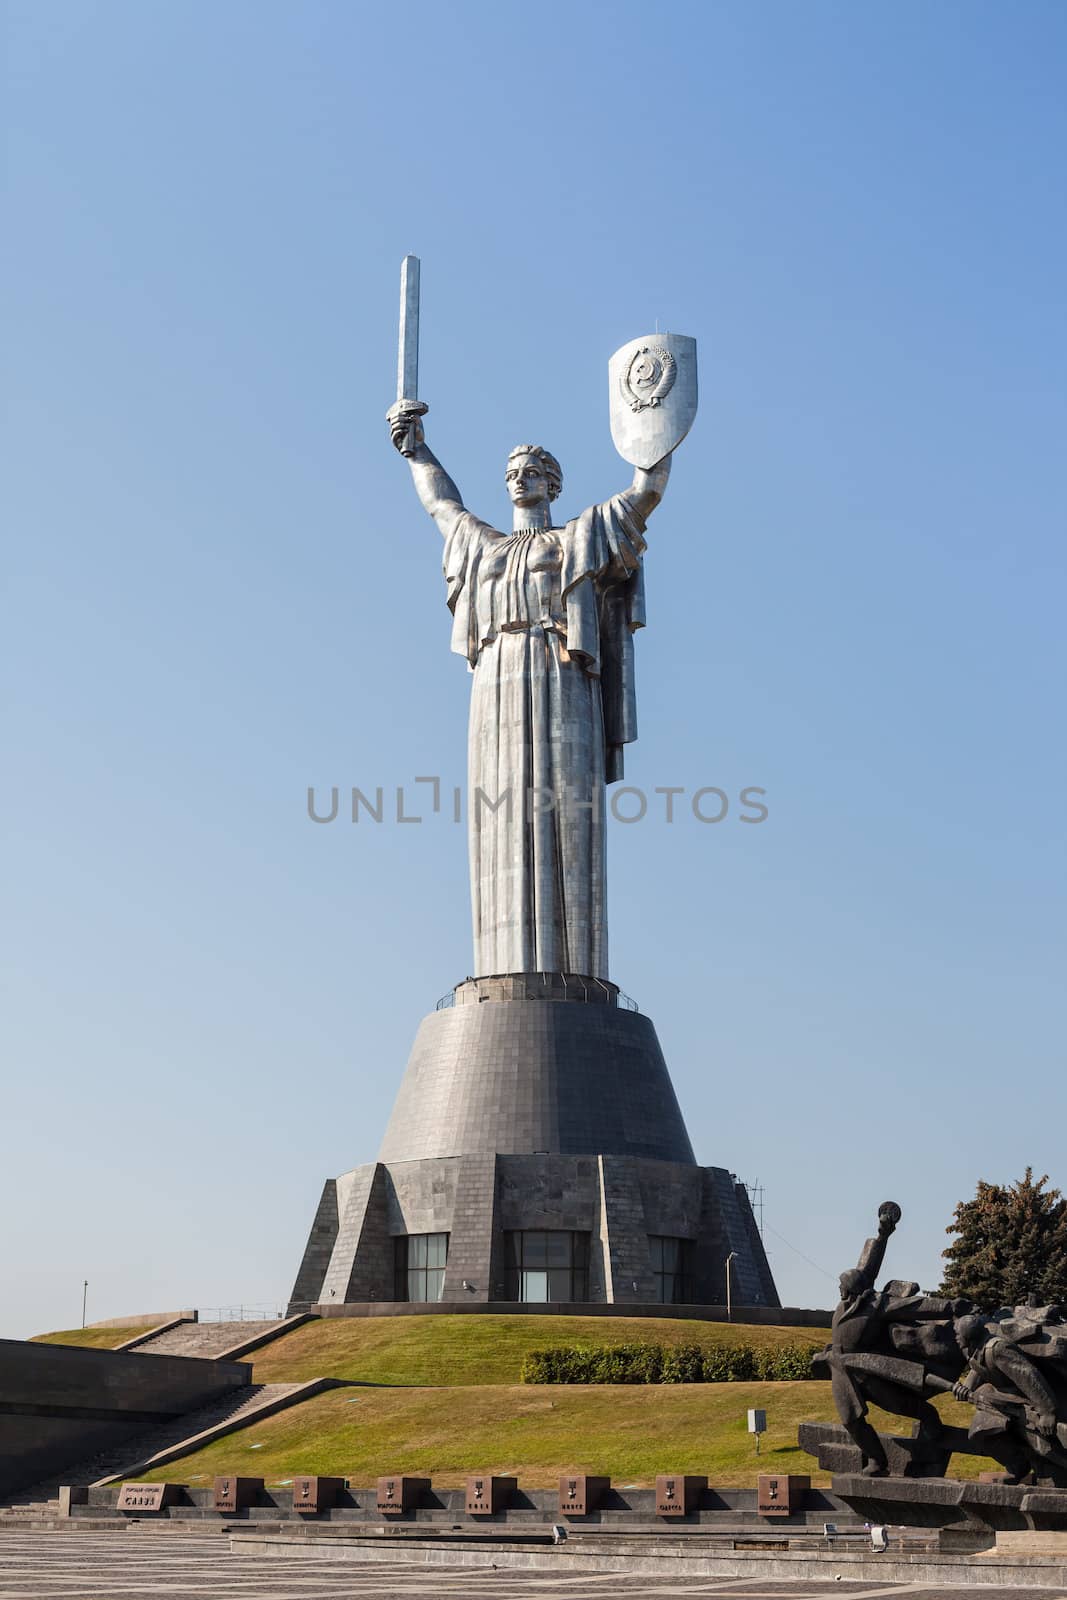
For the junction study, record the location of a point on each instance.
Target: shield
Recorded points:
(653, 396)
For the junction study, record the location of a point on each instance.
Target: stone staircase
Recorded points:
(30, 1514)
(214, 1340)
(164, 1442)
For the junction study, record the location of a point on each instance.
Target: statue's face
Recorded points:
(527, 481)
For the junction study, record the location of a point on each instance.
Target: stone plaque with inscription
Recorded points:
(579, 1493)
(311, 1495)
(781, 1494)
(234, 1494)
(400, 1494)
(677, 1494)
(486, 1495)
(147, 1496)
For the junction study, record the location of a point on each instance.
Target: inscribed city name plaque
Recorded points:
(581, 1494)
(486, 1495)
(781, 1494)
(234, 1494)
(678, 1494)
(311, 1495)
(146, 1496)
(399, 1494)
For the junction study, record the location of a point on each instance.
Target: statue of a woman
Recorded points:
(545, 617)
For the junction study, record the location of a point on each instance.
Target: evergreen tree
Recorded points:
(1010, 1244)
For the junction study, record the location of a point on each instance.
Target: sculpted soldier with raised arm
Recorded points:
(877, 1354)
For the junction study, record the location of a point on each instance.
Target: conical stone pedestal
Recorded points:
(518, 1065)
(535, 1103)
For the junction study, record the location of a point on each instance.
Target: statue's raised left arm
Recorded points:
(647, 489)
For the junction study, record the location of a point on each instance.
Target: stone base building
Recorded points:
(536, 1155)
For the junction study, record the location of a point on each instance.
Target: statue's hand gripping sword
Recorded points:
(407, 368)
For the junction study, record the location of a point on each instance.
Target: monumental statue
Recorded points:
(545, 615)
(536, 1150)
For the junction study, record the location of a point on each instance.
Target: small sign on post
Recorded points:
(757, 1424)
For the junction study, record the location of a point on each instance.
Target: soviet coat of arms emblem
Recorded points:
(653, 383)
(649, 376)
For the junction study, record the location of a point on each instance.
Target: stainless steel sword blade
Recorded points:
(407, 370)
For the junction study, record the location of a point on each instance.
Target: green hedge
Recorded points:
(656, 1363)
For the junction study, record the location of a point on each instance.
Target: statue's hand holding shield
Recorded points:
(653, 396)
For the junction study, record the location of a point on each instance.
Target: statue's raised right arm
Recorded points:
(873, 1253)
(434, 487)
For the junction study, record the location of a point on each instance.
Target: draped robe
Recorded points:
(545, 618)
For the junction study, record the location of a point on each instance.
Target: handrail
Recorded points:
(574, 990)
(265, 1311)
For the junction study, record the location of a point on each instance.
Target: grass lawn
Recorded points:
(439, 1396)
(463, 1350)
(629, 1431)
(93, 1338)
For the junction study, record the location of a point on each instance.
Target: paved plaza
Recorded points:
(68, 1566)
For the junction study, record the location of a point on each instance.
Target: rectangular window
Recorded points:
(419, 1265)
(548, 1266)
(671, 1268)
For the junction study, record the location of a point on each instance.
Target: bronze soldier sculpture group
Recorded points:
(896, 1347)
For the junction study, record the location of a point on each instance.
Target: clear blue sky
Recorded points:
(223, 591)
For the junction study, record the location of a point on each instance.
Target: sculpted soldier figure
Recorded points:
(1017, 1380)
(545, 617)
(869, 1330)
(895, 1348)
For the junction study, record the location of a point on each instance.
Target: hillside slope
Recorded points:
(537, 1434)
(476, 1350)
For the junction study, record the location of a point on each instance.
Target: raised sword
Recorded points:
(407, 365)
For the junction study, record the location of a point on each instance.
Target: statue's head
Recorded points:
(850, 1283)
(532, 475)
(971, 1333)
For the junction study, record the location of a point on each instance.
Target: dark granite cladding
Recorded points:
(536, 1102)
(517, 1077)
(618, 1201)
(60, 1404)
(319, 1248)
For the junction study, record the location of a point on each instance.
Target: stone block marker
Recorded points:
(234, 1494)
(399, 1494)
(487, 1495)
(312, 1495)
(580, 1493)
(781, 1494)
(678, 1494)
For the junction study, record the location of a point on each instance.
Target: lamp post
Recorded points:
(85, 1292)
(729, 1295)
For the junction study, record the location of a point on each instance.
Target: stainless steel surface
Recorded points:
(652, 385)
(407, 368)
(545, 617)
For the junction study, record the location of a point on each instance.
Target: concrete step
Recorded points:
(217, 1340)
(203, 1338)
(179, 1436)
